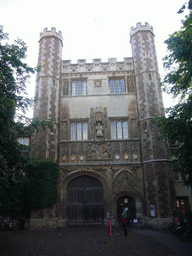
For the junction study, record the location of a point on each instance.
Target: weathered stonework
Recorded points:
(134, 168)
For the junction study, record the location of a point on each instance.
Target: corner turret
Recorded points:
(47, 91)
(155, 153)
(51, 33)
(140, 27)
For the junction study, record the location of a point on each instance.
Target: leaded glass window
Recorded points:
(79, 131)
(84, 88)
(117, 86)
(122, 86)
(23, 141)
(85, 131)
(74, 88)
(73, 131)
(119, 130)
(112, 86)
(79, 88)
(113, 130)
(125, 130)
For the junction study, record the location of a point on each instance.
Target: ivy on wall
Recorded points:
(42, 178)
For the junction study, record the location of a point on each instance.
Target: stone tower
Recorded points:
(47, 91)
(155, 156)
(104, 136)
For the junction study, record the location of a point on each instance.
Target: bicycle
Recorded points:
(173, 225)
(9, 223)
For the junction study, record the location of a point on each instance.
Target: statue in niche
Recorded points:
(99, 130)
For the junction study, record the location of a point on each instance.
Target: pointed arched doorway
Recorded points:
(85, 200)
(130, 203)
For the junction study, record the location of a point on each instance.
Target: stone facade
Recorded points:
(133, 169)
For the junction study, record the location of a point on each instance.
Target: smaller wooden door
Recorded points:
(130, 203)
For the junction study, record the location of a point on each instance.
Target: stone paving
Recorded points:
(91, 241)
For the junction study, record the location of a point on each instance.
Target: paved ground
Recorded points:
(91, 241)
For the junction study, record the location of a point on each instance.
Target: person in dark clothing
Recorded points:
(124, 220)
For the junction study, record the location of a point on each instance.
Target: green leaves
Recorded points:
(14, 74)
(176, 127)
(42, 179)
(179, 59)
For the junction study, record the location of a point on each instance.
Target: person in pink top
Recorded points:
(110, 233)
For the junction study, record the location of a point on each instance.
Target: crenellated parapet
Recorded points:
(97, 65)
(140, 27)
(51, 33)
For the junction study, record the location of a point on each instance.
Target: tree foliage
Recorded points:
(14, 74)
(14, 102)
(177, 125)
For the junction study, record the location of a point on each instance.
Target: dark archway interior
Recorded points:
(129, 202)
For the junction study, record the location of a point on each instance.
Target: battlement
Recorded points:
(51, 32)
(97, 65)
(140, 27)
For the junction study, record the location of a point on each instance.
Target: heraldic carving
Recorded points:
(99, 151)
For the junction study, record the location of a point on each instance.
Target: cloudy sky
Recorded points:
(91, 29)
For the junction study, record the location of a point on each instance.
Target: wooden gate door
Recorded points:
(85, 200)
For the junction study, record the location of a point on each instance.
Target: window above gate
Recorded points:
(119, 130)
(79, 131)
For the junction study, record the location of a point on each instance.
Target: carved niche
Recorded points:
(98, 124)
(65, 86)
(64, 122)
(99, 149)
